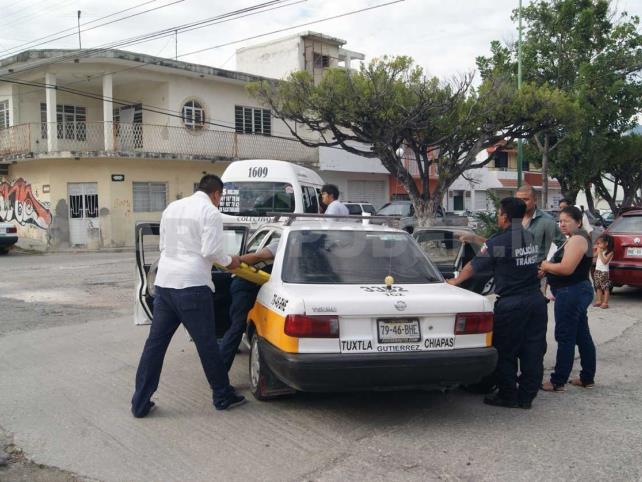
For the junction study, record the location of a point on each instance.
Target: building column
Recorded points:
(50, 98)
(472, 198)
(108, 112)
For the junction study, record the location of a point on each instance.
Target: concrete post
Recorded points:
(50, 98)
(108, 112)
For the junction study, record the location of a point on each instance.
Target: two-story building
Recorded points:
(91, 142)
(499, 176)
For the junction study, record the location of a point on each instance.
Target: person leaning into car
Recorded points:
(191, 240)
(244, 295)
(520, 314)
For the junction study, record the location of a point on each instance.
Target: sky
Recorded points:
(444, 37)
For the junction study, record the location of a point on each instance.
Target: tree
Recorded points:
(624, 160)
(390, 104)
(593, 55)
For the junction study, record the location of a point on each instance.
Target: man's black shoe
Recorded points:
(497, 401)
(150, 406)
(525, 405)
(230, 402)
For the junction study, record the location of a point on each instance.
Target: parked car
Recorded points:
(327, 321)
(406, 213)
(8, 237)
(359, 208)
(402, 209)
(441, 244)
(626, 266)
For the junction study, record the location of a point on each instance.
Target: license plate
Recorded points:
(634, 252)
(398, 330)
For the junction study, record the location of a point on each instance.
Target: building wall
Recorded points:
(343, 181)
(276, 59)
(115, 199)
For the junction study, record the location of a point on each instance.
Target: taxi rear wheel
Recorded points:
(263, 383)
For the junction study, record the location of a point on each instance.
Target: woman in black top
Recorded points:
(568, 276)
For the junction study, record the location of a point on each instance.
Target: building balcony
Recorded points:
(106, 139)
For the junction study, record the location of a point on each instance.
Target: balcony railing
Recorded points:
(145, 140)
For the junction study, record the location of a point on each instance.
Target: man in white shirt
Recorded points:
(191, 240)
(330, 197)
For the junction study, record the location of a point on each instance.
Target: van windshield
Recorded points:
(355, 257)
(257, 198)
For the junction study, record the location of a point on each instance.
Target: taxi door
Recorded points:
(147, 255)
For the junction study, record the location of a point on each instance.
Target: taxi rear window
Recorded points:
(355, 257)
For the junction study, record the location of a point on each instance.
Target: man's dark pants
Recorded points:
(244, 295)
(519, 334)
(194, 308)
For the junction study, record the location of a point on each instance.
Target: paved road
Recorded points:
(68, 353)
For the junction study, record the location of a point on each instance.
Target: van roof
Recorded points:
(238, 170)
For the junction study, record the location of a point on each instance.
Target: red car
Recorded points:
(626, 266)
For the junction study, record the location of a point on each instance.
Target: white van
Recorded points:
(256, 187)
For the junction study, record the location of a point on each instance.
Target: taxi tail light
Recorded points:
(12, 230)
(473, 323)
(302, 326)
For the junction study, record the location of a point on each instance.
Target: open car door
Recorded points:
(450, 256)
(147, 255)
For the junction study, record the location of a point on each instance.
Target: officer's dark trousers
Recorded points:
(244, 295)
(193, 307)
(519, 335)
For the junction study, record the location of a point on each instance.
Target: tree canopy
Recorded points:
(592, 54)
(391, 104)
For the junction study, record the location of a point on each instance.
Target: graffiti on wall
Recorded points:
(18, 203)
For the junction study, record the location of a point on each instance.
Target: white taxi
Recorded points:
(359, 307)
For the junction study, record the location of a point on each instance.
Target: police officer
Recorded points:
(521, 316)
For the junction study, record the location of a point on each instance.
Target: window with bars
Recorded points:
(133, 116)
(71, 122)
(193, 115)
(252, 120)
(149, 197)
(4, 114)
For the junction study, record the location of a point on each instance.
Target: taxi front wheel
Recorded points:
(263, 383)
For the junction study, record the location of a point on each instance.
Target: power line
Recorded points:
(29, 15)
(21, 46)
(102, 25)
(140, 38)
(177, 114)
(143, 63)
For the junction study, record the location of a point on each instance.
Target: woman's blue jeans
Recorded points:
(571, 328)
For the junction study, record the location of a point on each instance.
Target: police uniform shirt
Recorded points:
(512, 257)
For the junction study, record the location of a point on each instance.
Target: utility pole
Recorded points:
(175, 44)
(79, 42)
(520, 141)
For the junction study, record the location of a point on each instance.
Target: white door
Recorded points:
(84, 224)
(373, 192)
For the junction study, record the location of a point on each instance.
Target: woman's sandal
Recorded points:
(552, 387)
(579, 383)
(597, 305)
(604, 306)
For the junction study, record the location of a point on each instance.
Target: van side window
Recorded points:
(310, 202)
